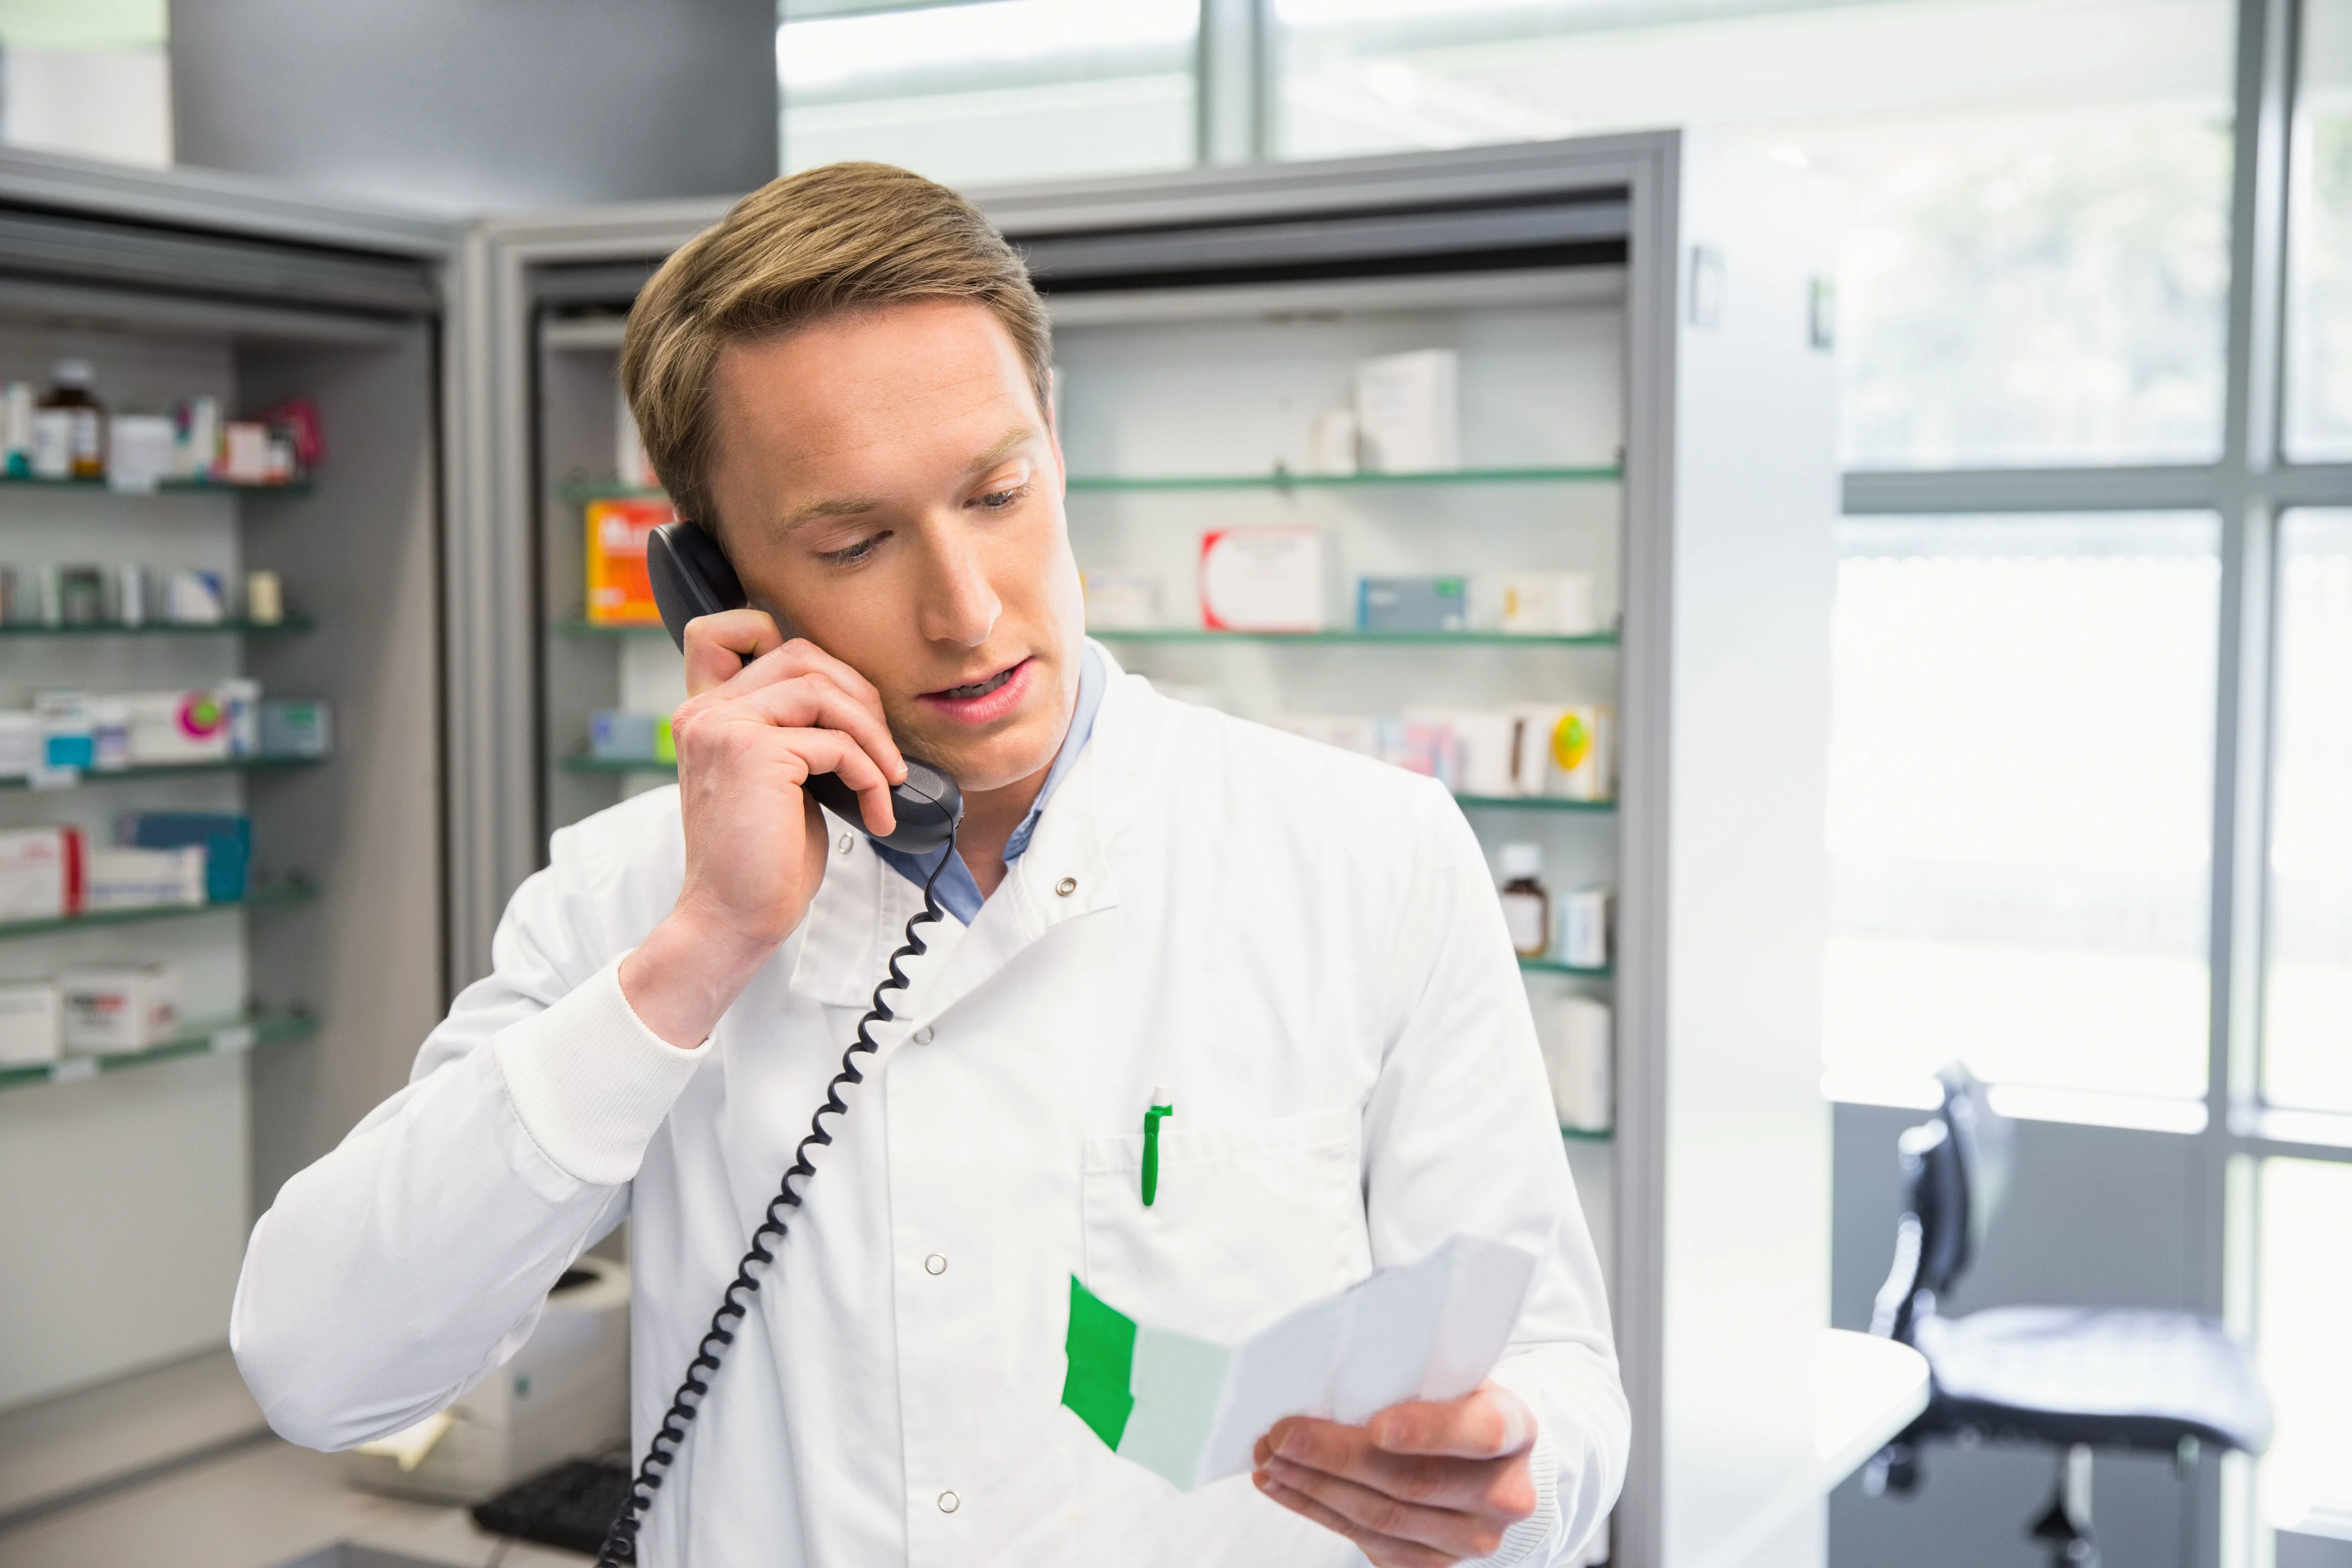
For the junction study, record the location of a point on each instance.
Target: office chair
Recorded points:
(2069, 1378)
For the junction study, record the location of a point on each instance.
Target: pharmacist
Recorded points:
(1296, 950)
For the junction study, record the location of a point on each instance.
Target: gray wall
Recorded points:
(476, 105)
(2094, 1217)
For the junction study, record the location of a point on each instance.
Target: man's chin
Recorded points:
(983, 764)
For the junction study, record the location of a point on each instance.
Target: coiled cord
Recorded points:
(621, 1541)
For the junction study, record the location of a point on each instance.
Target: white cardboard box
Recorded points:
(29, 1025)
(40, 873)
(1408, 412)
(170, 727)
(126, 1009)
(1262, 579)
(144, 878)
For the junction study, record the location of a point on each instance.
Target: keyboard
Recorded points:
(571, 1506)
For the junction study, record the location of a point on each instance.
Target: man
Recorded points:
(1298, 949)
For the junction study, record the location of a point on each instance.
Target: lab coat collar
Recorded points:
(860, 912)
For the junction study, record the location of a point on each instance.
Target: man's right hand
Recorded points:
(748, 737)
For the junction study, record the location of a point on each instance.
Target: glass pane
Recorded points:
(994, 94)
(2304, 1279)
(2037, 252)
(2021, 761)
(2319, 255)
(2308, 1021)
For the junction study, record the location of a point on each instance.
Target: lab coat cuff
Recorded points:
(1523, 1541)
(590, 1082)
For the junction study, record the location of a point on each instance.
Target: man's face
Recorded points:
(888, 487)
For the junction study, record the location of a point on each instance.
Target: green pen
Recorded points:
(1161, 1108)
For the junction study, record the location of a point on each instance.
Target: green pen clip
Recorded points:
(1160, 1110)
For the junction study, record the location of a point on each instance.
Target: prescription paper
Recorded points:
(1191, 1410)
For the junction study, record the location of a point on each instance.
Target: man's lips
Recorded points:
(985, 701)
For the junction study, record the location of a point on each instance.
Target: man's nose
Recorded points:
(959, 604)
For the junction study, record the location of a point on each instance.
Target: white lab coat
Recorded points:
(1302, 946)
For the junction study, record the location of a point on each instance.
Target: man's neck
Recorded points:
(989, 818)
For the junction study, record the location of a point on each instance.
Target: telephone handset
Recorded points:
(692, 577)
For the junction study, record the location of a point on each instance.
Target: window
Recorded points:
(2036, 262)
(2319, 278)
(2021, 764)
(2305, 1277)
(2307, 998)
(989, 94)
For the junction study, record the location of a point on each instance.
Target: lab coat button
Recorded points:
(846, 844)
(923, 1036)
(1067, 886)
(935, 1264)
(949, 1502)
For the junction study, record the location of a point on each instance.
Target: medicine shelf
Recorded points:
(166, 487)
(1603, 474)
(176, 770)
(272, 896)
(579, 495)
(578, 764)
(1554, 966)
(153, 629)
(1589, 1135)
(215, 1039)
(1529, 803)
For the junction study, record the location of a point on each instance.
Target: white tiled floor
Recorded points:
(256, 1508)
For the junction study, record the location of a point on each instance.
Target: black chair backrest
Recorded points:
(1956, 1167)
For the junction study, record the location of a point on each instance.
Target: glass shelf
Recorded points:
(1529, 803)
(216, 1039)
(1586, 1135)
(580, 495)
(1602, 475)
(153, 629)
(1554, 966)
(177, 770)
(1411, 640)
(576, 627)
(576, 763)
(167, 487)
(271, 897)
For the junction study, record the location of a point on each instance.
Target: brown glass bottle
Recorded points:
(84, 417)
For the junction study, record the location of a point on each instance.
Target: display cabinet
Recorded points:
(1638, 335)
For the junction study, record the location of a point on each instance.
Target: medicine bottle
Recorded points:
(71, 417)
(1526, 907)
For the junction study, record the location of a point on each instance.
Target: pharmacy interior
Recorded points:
(326, 603)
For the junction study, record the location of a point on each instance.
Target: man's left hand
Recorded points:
(1418, 1485)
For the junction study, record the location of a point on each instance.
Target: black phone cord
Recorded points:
(621, 1541)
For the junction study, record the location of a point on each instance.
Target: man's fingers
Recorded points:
(801, 754)
(1487, 1424)
(812, 702)
(1387, 1552)
(717, 646)
(1489, 1487)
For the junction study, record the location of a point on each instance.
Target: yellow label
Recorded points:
(1572, 741)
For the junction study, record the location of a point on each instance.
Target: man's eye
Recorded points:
(997, 500)
(852, 554)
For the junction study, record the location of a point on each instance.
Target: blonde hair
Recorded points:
(826, 241)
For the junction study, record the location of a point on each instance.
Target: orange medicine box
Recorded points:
(618, 591)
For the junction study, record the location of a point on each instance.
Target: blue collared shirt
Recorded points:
(957, 892)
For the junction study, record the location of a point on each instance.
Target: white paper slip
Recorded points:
(1191, 1410)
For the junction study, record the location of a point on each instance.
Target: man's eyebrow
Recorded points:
(853, 506)
(1005, 447)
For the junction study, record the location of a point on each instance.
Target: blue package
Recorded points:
(226, 838)
(1412, 603)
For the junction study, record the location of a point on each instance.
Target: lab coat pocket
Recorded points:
(1248, 1221)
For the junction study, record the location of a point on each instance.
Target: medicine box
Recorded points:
(127, 1008)
(295, 727)
(1584, 927)
(226, 838)
(1262, 579)
(30, 1029)
(1408, 418)
(1122, 598)
(123, 878)
(172, 729)
(616, 735)
(42, 873)
(1412, 603)
(1538, 604)
(619, 592)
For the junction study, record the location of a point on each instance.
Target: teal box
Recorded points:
(1412, 603)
